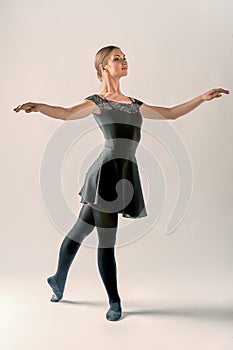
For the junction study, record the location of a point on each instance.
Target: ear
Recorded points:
(102, 67)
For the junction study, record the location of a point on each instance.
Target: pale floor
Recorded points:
(162, 320)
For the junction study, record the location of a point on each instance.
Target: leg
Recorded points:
(69, 247)
(106, 224)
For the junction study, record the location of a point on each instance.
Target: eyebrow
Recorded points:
(119, 55)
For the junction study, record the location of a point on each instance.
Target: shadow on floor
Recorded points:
(224, 313)
(205, 312)
(83, 302)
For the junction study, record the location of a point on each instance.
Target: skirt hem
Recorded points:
(125, 215)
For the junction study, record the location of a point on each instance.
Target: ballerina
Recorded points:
(105, 194)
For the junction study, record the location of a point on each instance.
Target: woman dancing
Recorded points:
(112, 184)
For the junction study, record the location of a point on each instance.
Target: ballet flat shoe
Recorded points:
(112, 315)
(57, 292)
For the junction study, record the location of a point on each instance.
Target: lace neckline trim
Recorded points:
(123, 103)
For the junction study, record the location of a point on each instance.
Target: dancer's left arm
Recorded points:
(156, 112)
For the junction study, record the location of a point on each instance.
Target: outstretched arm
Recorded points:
(155, 112)
(78, 111)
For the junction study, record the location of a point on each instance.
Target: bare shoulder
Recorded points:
(83, 109)
(93, 105)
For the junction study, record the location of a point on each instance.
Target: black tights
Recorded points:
(106, 224)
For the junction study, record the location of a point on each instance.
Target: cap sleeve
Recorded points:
(97, 100)
(137, 101)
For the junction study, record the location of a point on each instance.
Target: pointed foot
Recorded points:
(56, 290)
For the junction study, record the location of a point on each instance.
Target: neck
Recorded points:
(111, 87)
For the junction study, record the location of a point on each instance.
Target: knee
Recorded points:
(80, 230)
(106, 237)
(69, 245)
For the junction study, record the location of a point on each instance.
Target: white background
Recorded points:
(176, 289)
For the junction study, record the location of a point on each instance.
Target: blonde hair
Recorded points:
(100, 58)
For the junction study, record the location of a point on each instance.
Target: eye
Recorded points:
(117, 59)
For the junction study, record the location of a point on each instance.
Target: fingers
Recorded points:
(213, 93)
(27, 107)
(17, 109)
(220, 90)
(20, 107)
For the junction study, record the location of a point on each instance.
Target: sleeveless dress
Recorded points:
(112, 183)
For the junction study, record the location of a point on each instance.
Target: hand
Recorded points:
(213, 93)
(28, 107)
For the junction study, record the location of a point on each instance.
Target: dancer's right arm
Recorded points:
(78, 111)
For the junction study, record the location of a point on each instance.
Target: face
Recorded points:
(117, 65)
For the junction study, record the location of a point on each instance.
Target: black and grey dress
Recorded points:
(112, 183)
